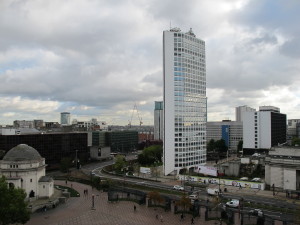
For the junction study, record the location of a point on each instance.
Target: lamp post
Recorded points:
(76, 159)
(93, 202)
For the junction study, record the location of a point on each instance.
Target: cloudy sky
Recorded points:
(98, 58)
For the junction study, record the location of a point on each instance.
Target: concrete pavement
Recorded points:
(79, 211)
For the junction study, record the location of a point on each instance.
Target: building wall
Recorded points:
(289, 179)
(230, 131)
(263, 129)
(46, 189)
(53, 146)
(185, 103)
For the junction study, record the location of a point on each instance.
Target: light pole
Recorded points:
(93, 202)
(76, 159)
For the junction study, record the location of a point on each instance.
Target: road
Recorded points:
(96, 169)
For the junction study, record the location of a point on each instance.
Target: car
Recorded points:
(256, 212)
(233, 203)
(212, 191)
(193, 197)
(178, 188)
(256, 179)
(244, 178)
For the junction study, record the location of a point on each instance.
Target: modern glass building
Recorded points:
(185, 102)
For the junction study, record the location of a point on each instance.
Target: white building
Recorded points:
(240, 110)
(65, 118)
(185, 102)
(282, 168)
(23, 167)
(230, 131)
(263, 129)
(158, 121)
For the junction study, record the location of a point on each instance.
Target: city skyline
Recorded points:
(96, 59)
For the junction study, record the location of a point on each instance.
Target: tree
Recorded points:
(211, 145)
(295, 141)
(13, 208)
(150, 155)
(155, 197)
(120, 163)
(184, 202)
(220, 146)
(65, 164)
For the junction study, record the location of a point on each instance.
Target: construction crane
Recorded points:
(137, 111)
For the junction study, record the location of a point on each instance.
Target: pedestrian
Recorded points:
(181, 217)
(66, 182)
(134, 208)
(156, 216)
(161, 218)
(71, 185)
(192, 220)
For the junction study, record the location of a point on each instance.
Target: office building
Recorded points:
(185, 102)
(263, 129)
(230, 131)
(65, 118)
(240, 110)
(51, 146)
(158, 121)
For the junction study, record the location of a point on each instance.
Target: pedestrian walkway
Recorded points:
(79, 211)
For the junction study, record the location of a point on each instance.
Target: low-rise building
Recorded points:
(23, 167)
(282, 168)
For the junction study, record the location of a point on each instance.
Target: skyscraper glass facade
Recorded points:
(185, 100)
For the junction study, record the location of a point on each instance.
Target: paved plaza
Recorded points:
(78, 211)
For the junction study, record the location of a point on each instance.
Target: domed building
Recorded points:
(24, 167)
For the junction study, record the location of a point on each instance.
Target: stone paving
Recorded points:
(79, 211)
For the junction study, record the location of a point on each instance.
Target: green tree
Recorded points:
(13, 208)
(120, 163)
(220, 146)
(211, 145)
(150, 155)
(65, 164)
(295, 141)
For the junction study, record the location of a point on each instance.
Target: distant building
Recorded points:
(122, 141)
(23, 124)
(23, 167)
(282, 168)
(292, 127)
(65, 118)
(263, 129)
(159, 121)
(230, 131)
(240, 110)
(92, 125)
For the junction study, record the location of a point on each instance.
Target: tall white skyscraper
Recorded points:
(185, 102)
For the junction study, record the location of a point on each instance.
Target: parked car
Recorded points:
(256, 212)
(178, 188)
(233, 203)
(212, 191)
(244, 178)
(256, 179)
(193, 197)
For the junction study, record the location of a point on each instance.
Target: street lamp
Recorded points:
(76, 159)
(93, 202)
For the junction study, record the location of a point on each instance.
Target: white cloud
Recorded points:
(99, 58)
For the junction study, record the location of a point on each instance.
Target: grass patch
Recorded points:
(73, 192)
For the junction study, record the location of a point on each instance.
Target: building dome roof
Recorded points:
(22, 152)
